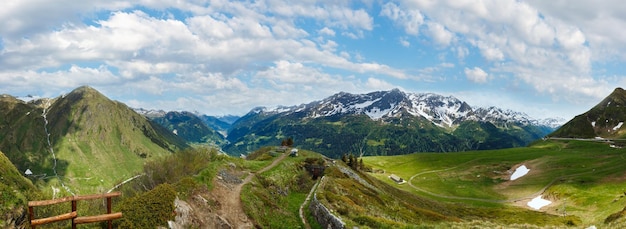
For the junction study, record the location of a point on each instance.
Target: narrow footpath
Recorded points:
(308, 198)
(231, 206)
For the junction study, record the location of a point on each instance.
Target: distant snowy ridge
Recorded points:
(443, 111)
(150, 113)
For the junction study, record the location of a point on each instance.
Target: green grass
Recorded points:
(273, 198)
(386, 206)
(584, 178)
(14, 191)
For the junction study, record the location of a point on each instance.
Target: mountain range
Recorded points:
(386, 123)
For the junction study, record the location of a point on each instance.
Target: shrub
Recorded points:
(148, 210)
(185, 187)
(260, 152)
(173, 168)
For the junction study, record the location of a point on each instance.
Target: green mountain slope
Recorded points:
(22, 135)
(189, 127)
(14, 189)
(94, 142)
(335, 136)
(221, 124)
(603, 120)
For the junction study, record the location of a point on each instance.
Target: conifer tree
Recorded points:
(361, 166)
(352, 161)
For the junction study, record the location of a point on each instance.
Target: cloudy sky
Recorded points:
(545, 58)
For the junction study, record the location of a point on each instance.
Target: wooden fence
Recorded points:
(73, 215)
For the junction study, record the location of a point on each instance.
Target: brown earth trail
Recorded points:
(231, 207)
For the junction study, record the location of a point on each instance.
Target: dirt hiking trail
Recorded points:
(231, 207)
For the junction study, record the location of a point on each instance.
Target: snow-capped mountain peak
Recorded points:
(495, 114)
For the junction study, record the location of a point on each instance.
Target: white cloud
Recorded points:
(404, 42)
(476, 75)
(329, 46)
(326, 31)
(461, 52)
(333, 13)
(208, 27)
(377, 84)
(56, 81)
(439, 33)
(296, 73)
(411, 20)
(600, 21)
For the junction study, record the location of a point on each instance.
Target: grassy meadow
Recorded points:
(582, 179)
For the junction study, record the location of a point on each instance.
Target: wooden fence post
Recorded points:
(31, 213)
(73, 210)
(109, 211)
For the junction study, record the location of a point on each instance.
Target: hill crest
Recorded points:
(604, 120)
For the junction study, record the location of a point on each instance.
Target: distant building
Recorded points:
(396, 178)
(294, 152)
(28, 172)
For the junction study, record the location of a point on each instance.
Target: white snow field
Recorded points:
(520, 172)
(538, 202)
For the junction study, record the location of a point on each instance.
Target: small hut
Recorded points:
(396, 178)
(294, 152)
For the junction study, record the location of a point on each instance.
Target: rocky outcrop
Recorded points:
(196, 214)
(16, 218)
(323, 216)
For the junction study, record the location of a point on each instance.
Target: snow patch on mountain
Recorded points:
(376, 113)
(150, 113)
(619, 125)
(364, 104)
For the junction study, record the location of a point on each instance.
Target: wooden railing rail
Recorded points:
(73, 215)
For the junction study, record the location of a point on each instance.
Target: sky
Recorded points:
(545, 58)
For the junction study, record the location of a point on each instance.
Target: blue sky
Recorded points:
(544, 58)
